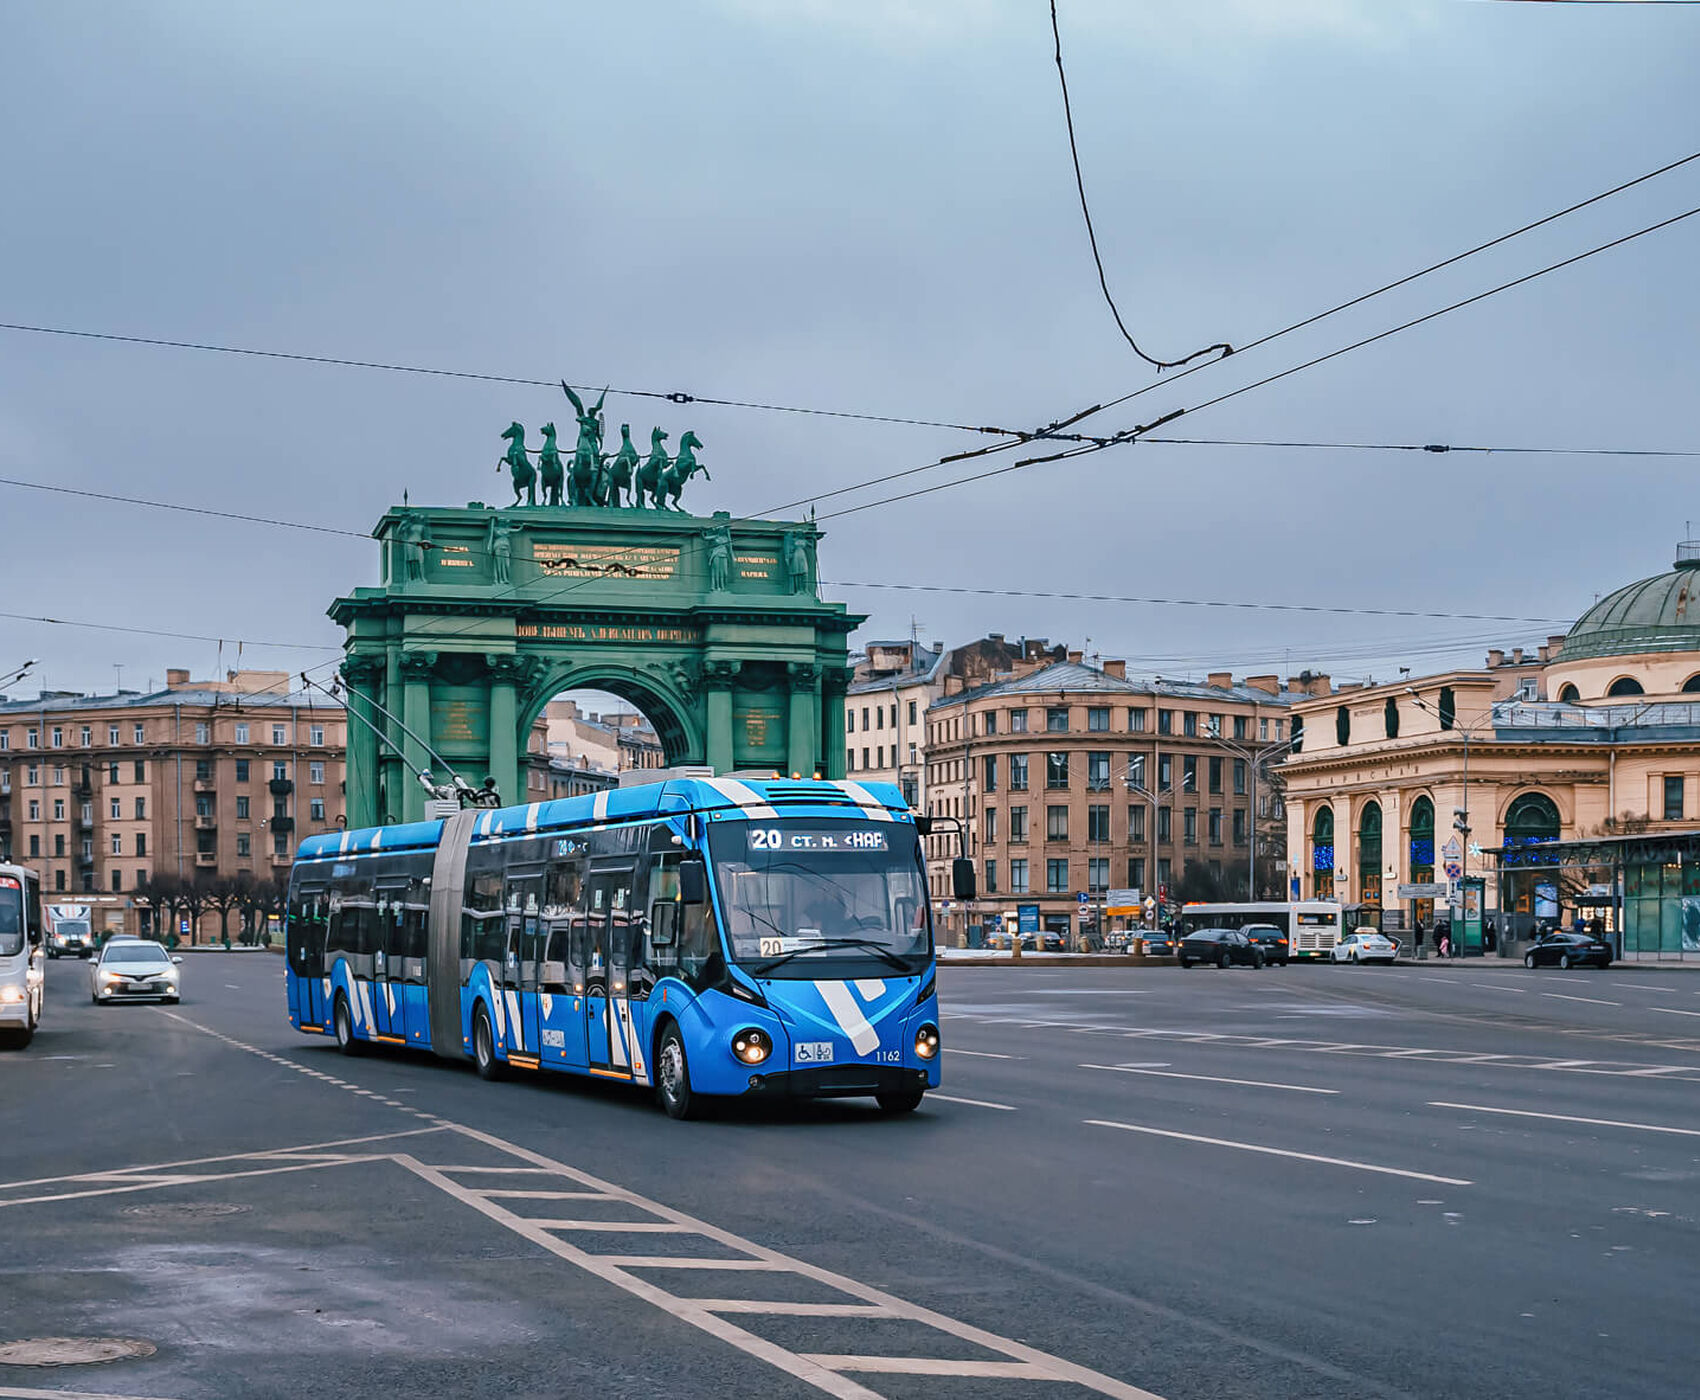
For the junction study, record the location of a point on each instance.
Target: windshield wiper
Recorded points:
(891, 959)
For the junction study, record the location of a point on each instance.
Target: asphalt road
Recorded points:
(1310, 1181)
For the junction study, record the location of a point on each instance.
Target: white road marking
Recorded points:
(18, 1392)
(981, 1054)
(929, 1366)
(1592, 1001)
(1495, 987)
(1281, 1152)
(1213, 1079)
(972, 1103)
(617, 1269)
(1567, 1118)
(820, 1371)
(1673, 1011)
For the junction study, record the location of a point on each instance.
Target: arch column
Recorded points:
(504, 726)
(362, 672)
(802, 729)
(717, 677)
(835, 684)
(416, 671)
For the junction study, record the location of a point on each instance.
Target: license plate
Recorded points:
(814, 1052)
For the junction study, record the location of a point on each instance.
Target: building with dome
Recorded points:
(1556, 783)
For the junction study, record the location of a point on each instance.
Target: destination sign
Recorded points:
(817, 840)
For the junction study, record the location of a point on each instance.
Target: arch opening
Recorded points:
(1625, 685)
(1369, 860)
(1322, 854)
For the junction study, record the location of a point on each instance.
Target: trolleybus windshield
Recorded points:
(796, 894)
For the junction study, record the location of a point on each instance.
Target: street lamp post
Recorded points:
(1460, 815)
(1254, 759)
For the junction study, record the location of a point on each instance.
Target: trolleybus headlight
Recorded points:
(752, 1046)
(927, 1041)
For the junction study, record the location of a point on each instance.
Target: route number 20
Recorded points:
(766, 838)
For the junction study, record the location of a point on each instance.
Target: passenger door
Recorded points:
(519, 966)
(607, 911)
(389, 1011)
(305, 944)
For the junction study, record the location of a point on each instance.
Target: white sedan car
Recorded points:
(133, 969)
(1365, 945)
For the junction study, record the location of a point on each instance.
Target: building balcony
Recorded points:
(206, 859)
(206, 823)
(205, 785)
(280, 787)
(85, 860)
(85, 823)
(280, 858)
(83, 789)
(282, 826)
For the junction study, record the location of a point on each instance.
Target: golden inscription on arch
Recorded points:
(605, 561)
(762, 566)
(605, 632)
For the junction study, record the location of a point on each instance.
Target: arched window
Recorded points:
(1422, 840)
(1322, 854)
(1299, 732)
(1342, 726)
(1369, 855)
(1691, 686)
(1533, 817)
(1530, 823)
(1391, 714)
(1569, 695)
(1448, 707)
(1625, 685)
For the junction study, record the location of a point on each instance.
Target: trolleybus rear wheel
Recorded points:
(342, 1021)
(899, 1100)
(484, 1046)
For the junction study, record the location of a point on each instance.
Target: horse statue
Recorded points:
(652, 475)
(621, 467)
(551, 474)
(684, 467)
(587, 454)
(519, 466)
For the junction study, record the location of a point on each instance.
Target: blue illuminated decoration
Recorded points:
(1422, 850)
(1323, 858)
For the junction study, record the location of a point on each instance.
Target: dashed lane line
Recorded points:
(981, 1054)
(1592, 1001)
(973, 1103)
(18, 1392)
(1213, 1079)
(1567, 1118)
(1673, 1011)
(1280, 1152)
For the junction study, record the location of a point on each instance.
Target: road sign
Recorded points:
(1453, 870)
(1082, 898)
(1121, 902)
(1452, 850)
(1027, 918)
(1425, 891)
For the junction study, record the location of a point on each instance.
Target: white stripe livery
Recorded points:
(742, 795)
(866, 800)
(841, 1002)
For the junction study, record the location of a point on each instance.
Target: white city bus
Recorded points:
(1312, 926)
(20, 955)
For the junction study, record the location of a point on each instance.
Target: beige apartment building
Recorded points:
(1589, 741)
(1071, 780)
(885, 708)
(100, 793)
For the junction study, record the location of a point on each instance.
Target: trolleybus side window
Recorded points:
(564, 891)
(305, 942)
(481, 933)
(411, 938)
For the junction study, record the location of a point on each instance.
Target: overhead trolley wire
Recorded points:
(1138, 432)
(1092, 234)
(343, 362)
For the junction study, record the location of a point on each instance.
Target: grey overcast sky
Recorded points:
(862, 205)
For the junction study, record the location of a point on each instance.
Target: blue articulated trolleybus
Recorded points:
(705, 936)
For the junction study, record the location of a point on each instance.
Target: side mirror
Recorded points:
(177, 960)
(962, 878)
(693, 880)
(923, 826)
(35, 938)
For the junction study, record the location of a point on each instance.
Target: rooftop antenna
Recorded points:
(118, 666)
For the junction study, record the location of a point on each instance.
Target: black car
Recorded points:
(1158, 943)
(1271, 939)
(1568, 950)
(1222, 946)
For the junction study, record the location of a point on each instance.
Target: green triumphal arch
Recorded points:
(712, 626)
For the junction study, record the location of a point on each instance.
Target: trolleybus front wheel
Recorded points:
(899, 1100)
(673, 1077)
